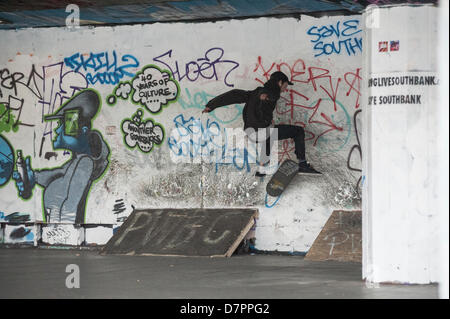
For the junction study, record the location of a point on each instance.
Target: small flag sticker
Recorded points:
(395, 45)
(383, 46)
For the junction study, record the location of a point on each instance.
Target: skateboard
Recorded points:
(282, 177)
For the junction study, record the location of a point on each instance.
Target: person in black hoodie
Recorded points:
(258, 114)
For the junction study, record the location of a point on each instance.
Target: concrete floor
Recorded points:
(41, 273)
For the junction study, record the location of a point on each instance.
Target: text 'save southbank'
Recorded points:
(403, 80)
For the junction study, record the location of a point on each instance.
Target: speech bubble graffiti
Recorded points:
(123, 90)
(145, 134)
(154, 88)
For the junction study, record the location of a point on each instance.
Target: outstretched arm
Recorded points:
(231, 97)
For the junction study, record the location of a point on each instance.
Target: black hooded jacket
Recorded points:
(257, 113)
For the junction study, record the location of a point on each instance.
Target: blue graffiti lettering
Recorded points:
(103, 67)
(209, 143)
(201, 139)
(336, 39)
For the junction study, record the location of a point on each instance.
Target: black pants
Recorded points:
(297, 133)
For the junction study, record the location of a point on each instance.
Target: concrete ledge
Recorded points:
(53, 234)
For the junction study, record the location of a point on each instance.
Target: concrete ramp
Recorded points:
(182, 232)
(340, 238)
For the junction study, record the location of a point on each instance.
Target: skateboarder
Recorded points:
(258, 114)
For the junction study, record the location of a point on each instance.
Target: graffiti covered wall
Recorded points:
(98, 121)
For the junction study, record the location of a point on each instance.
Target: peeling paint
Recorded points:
(347, 195)
(172, 186)
(232, 189)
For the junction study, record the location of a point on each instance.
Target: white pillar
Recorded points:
(400, 143)
(443, 149)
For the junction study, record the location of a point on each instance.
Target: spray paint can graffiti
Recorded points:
(23, 172)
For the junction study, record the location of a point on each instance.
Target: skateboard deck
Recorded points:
(282, 177)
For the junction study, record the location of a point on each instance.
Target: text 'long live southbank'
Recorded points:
(403, 80)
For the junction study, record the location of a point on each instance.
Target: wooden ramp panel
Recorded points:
(340, 238)
(182, 232)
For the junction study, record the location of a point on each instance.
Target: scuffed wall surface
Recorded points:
(42, 69)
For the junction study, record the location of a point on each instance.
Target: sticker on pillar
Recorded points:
(395, 45)
(383, 46)
(142, 133)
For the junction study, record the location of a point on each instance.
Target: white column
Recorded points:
(400, 211)
(443, 149)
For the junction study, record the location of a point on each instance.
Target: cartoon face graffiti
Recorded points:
(69, 134)
(66, 188)
(75, 120)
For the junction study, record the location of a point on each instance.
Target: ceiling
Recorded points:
(17, 14)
